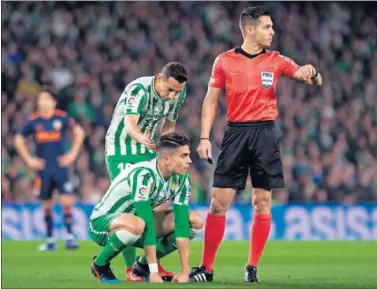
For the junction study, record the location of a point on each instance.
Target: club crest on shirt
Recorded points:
(267, 79)
(57, 124)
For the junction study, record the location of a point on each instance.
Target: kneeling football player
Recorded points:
(125, 217)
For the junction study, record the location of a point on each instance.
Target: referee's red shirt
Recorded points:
(250, 82)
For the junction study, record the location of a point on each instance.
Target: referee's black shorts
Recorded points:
(249, 146)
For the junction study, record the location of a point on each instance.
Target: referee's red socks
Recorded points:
(213, 234)
(260, 230)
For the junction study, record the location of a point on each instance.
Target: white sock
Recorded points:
(194, 233)
(126, 237)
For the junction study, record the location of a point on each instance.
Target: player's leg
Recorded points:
(166, 240)
(161, 269)
(230, 174)
(45, 196)
(114, 167)
(67, 198)
(115, 233)
(266, 173)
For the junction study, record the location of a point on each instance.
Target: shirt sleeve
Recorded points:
(173, 113)
(182, 196)
(181, 209)
(27, 129)
(142, 185)
(68, 122)
(217, 78)
(135, 98)
(287, 66)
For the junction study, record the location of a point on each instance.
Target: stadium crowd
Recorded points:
(89, 51)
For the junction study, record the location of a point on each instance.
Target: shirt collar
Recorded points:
(154, 92)
(248, 55)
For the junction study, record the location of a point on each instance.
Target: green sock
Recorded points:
(129, 256)
(112, 248)
(165, 245)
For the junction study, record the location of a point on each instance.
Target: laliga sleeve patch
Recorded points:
(143, 193)
(131, 102)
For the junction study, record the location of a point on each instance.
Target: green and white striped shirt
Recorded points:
(141, 182)
(139, 98)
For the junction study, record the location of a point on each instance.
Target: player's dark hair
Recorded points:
(175, 70)
(250, 15)
(172, 141)
(45, 88)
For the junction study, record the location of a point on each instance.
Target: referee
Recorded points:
(249, 74)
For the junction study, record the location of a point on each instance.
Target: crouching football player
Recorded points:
(125, 217)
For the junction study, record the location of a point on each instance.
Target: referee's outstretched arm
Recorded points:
(309, 75)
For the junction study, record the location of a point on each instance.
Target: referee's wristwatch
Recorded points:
(316, 73)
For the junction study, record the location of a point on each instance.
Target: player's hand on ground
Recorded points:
(155, 278)
(181, 278)
(308, 71)
(205, 149)
(145, 139)
(67, 159)
(35, 163)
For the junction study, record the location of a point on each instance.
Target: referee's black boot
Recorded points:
(199, 274)
(251, 274)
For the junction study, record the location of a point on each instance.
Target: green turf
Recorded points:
(284, 265)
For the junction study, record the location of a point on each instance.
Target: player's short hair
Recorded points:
(172, 141)
(175, 70)
(250, 16)
(47, 89)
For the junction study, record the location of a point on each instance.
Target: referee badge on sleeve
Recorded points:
(267, 79)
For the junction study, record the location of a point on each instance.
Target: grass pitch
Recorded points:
(285, 265)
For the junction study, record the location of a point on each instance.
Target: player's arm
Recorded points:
(209, 108)
(78, 136)
(78, 139)
(168, 126)
(170, 120)
(134, 101)
(142, 185)
(182, 226)
(20, 146)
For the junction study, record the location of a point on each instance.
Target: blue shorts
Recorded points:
(54, 178)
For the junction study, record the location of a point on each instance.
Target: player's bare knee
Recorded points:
(196, 221)
(137, 227)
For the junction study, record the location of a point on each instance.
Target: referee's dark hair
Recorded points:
(172, 141)
(250, 16)
(175, 70)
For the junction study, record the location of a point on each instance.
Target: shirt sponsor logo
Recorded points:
(267, 79)
(47, 136)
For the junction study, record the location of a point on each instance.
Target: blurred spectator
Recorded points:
(328, 135)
